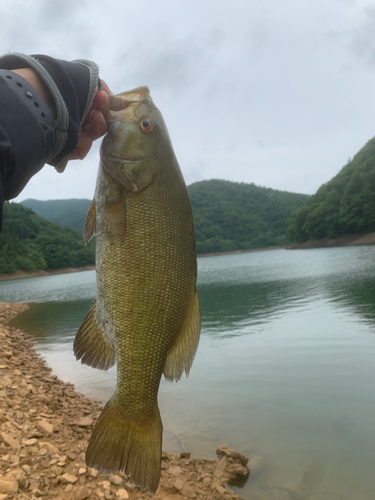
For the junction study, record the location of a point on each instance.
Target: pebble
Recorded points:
(68, 478)
(116, 480)
(10, 440)
(85, 422)
(178, 485)
(8, 485)
(122, 494)
(45, 427)
(187, 491)
(82, 493)
(30, 442)
(93, 472)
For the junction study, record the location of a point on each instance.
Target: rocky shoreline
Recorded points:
(45, 426)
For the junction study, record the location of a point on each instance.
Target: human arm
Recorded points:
(73, 118)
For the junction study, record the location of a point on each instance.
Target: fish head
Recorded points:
(136, 138)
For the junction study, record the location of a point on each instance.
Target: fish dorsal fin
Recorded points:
(90, 223)
(92, 345)
(181, 355)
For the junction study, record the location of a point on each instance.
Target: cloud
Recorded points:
(172, 65)
(362, 44)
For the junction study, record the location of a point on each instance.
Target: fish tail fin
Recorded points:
(119, 442)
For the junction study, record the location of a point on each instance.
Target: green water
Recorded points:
(285, 367)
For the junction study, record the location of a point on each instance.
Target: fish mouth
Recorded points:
(123, 106)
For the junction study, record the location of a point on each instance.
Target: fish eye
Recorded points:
(146, 125)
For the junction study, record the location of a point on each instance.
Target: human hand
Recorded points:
(95, 124)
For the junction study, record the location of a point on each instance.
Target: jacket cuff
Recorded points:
(72, 86)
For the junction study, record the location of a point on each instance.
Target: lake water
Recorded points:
(285, 367)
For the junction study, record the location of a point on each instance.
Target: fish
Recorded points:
(146, 315)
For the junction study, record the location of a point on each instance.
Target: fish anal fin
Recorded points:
(90, 223)
(181, 355)
(92, 345)
(120, 441)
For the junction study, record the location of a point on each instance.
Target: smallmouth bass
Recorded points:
(146, 315)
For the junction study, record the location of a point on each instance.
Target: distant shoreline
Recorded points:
(40, 272)
(341, 241)
(214, 254)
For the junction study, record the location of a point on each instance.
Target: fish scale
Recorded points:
(146, 314)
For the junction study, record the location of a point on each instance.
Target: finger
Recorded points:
(97, 126)
(105, 87)
(82, 148)
(100, 103)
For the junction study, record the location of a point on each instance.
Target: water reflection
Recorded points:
(229, 308)
(356, 293)
(54, 322)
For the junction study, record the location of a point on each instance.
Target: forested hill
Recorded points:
(71, 213)
(30, 242)
(227, 215)
(234, 216)
(344, 205)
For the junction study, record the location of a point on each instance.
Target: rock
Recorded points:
(30, 442)
(45, 427)
(187, 491)
(93, 472)
(51, 449)
(15, 459)
(68, 478)
(26, 468)
(130, 486)
(231, 466)
(220, 489)
(106, 485)
(37, 493)
(175, 470)
(108, 495)
(82, 493)
(85, 422)
(10, 440)
(225, 451)
(8, 485)
(116, 480)
(122, 494)
(178, 485)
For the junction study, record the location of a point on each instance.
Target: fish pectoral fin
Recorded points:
(90, 223)
(92, 345)
(181, 355)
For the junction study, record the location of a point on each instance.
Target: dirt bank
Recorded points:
(342, 241)
(44, 429)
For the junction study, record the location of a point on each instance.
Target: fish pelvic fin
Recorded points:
(92, 345)
(123, 442)
(181, 355)
(90, 223)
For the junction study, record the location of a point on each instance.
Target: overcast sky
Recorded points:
(276, 92)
